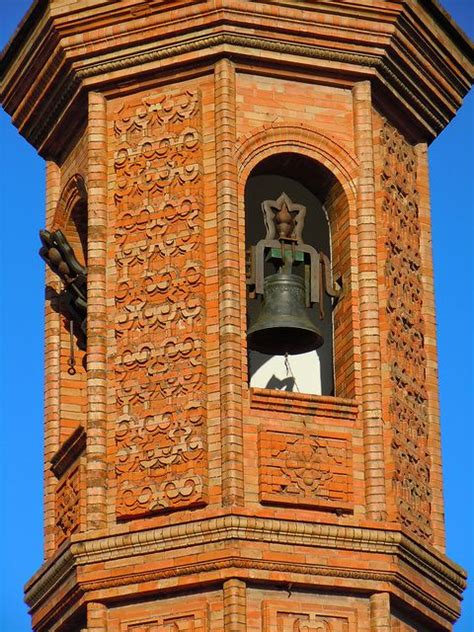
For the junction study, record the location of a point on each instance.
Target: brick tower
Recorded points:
(184, 490)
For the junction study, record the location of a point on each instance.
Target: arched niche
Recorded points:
(71, 216)
(326, 187)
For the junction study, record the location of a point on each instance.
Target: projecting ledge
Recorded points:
(240, 545)
(303, 404)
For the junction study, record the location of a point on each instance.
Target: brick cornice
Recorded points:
(229, 29)
(234, 531)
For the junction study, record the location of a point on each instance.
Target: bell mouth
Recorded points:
(283, 340)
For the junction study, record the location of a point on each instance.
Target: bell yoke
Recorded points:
(302, 275)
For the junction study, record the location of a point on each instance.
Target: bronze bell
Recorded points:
(283, 324)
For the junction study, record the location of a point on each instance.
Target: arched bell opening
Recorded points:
(305, 299)
(76, 231)
(64, 249)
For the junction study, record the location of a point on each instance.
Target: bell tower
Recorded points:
(241, 409)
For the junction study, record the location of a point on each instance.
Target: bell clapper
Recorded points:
(289, 372)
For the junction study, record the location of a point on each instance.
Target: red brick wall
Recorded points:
(67, 211)
(174, 432)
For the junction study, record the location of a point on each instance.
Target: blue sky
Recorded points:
(21, 340)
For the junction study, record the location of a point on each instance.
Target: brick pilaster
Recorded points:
(96, 617)
(52, 369)
(434, 438)
(96, 310)
(371, 396)
(235, 610)
(380, 617)
(230, 328)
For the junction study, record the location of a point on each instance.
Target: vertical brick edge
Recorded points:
(235, 606)
(434, 438)
(96, 617)
(371, 396)
(230, 334)
(52, 372)
(97, 322)
(380, 617)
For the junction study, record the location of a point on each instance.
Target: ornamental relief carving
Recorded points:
(68, 506)
(405, 338)
(279, 617)
(289, 622)
(171, 298)
(159, 318)
(305, 469)
(172, 437)
(171, 623)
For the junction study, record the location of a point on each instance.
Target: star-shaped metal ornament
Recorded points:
(284, 219)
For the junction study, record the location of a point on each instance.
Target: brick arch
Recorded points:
(340, 200)
(74, 193)
(287, 138)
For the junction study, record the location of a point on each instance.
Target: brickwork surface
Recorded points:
(177, 498)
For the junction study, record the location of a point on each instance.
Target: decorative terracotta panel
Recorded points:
(68, 506)
(283, 617)
(408, 407)
(161, 458)
(66, 465)
(306, 469)
(189, 622)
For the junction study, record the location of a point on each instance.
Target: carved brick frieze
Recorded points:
(177, 620)
(283, 617)
(160, 435)
(191, 622)
(68, 506)
(408, 407)
(66, 465)
(307, 469)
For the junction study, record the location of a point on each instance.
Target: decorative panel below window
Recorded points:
(306, 469)
(284, 617)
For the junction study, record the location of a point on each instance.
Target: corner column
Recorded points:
(430, 345)
(235, 608)
(371, 364)
(380, 617)
(97, 316)
(230, 332)
(96, 617)
(52, 370)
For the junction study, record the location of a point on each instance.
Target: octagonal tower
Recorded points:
(184, 490)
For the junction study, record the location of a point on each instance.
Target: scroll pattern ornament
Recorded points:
(305, 469)
(405, 339)
(68, 506)
(172, 623)
(292, 622)
(283, 617)
(161, 456)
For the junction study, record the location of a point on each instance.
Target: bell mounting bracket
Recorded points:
(283, 246)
